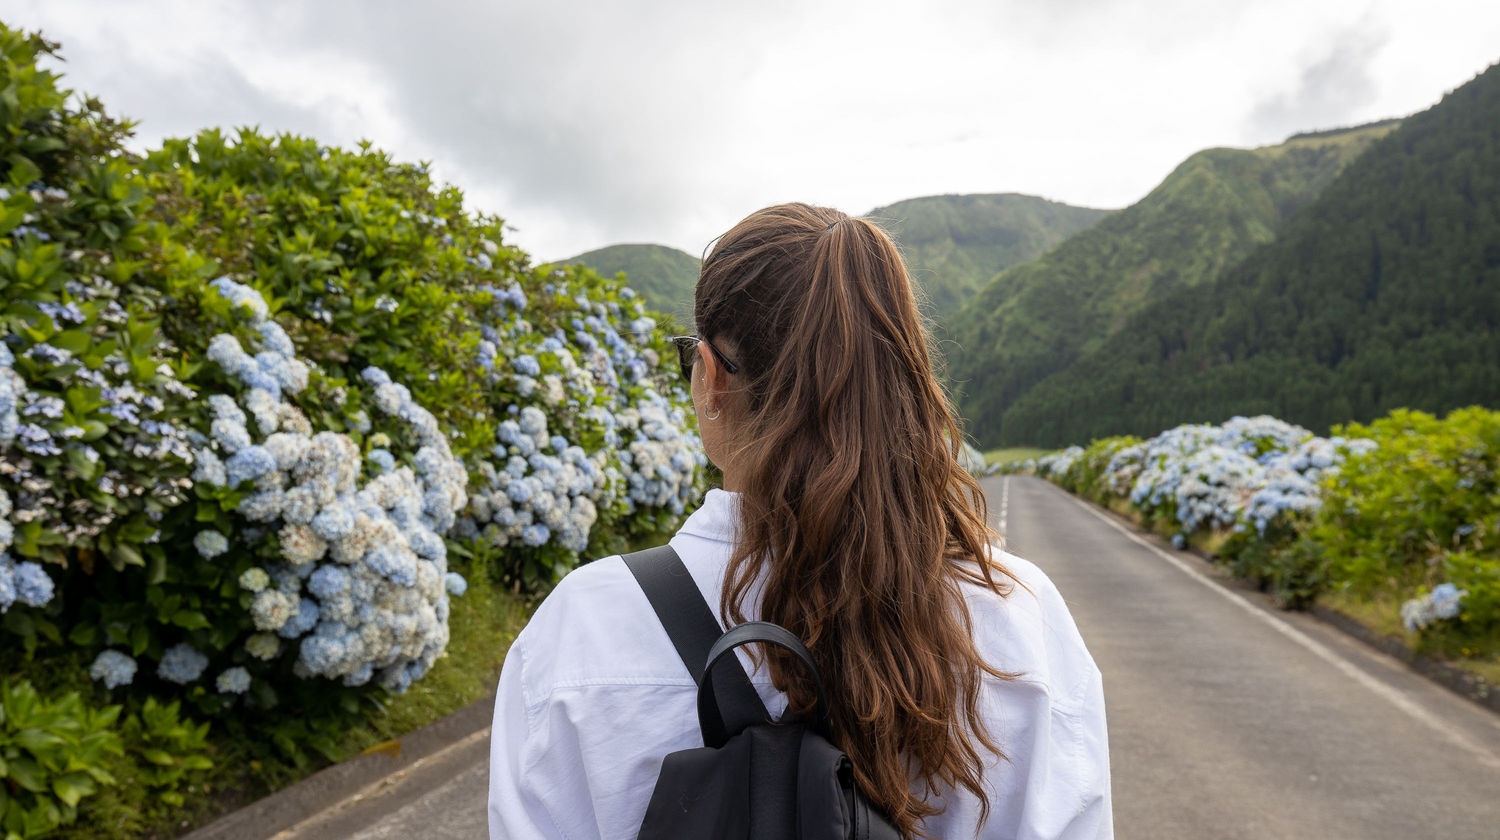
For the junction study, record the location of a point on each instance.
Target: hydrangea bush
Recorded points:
(1248, 473)
(93, 446)
(1247, 488)
(603, 451)
(266, 406)
(368, 264)
(357, 586)
(1405, 510)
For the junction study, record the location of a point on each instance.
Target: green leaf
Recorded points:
(128, 554)
(161, 757)
(19, 623)
(48, 630)
(190, 620)
(79, 461)
(197, 762)
(38, 742)
(140, 639)
(26, 773)
(156, 566)
(74, 341)
(93, 430)
(73, 787)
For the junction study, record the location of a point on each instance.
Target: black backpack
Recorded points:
(751, 778)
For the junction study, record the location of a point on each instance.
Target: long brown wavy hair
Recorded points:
(855, 512)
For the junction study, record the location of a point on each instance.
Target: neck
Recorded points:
(732, 481)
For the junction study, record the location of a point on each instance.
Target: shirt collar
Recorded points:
(717, 518)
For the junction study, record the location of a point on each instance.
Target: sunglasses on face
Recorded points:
(687, 351)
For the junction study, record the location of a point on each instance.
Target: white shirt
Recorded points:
(593, 695)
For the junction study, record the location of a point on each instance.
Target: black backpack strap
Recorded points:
(693, 629)
(771, 634)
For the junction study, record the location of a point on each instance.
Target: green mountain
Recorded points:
(664, 276)
(1036, 319)
(1382, 293)
(955, 244)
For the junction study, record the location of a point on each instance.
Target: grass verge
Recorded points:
(1011, 454)
(1382, 614)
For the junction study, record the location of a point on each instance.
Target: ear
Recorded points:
(712, 372)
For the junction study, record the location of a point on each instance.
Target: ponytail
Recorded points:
(857, 521)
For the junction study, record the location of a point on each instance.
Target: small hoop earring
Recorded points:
(713, 416)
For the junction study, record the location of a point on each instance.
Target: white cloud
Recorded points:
(589, 123)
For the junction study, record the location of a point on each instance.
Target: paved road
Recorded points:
(1231, 720)
(1228, 719)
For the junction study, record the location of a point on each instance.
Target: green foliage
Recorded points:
(1088, 475)
(955, 244)
(365, 261)
(77, 277)
(1383, 293)
(665, 277)
(1038, 318)
(1282, 561)
(53, 753)
(167, 749)
(1420, 510)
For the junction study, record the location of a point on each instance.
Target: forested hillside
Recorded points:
(1209, 214)
(955, 244)
(1383, 293)
(664, 276)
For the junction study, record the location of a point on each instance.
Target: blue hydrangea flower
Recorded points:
(113, 668)
(181, 664)
(535, 535)
(526, 365)
(305, 619)
(333, 522)
(398, 566)
(249, 462)
(32, 585)
(382, 460)
(328, 582)
(236, 680)
(455, 584)
(210, 544)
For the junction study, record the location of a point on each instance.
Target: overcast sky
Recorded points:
(587, 124)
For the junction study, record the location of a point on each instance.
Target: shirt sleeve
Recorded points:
(1082, 736)
(1066, 768)
(516, 809)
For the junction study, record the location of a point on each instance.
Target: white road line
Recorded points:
(379, 786)
(1004, 504)
(1396, 698)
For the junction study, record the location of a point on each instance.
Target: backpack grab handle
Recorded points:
(715, 729)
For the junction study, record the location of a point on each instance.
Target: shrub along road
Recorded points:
(1228, 719)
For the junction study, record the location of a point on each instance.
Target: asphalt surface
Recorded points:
(1227, 718)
